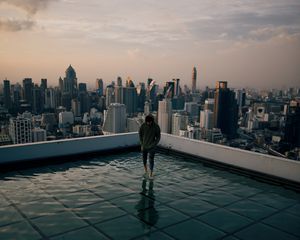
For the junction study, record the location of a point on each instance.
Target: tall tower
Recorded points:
(50, 100)
(119, 91)
(70, 82)
(194, 80)
(37, 103)
(99, 86)
(115, 119)
(225, 110)
(130, 99)
(6, 94)
(110, 95)
(27, 90)
(165, 115)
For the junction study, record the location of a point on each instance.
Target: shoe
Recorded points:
(145, 175)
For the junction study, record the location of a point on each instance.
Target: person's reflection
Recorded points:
(146, 205)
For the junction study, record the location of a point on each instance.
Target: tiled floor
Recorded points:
(107, 198)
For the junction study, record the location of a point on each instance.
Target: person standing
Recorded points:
(149, 134)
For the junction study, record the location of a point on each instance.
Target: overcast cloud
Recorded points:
(163, 37)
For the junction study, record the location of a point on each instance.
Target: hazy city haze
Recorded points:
(247, 43)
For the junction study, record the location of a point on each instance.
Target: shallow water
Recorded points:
(106, 197)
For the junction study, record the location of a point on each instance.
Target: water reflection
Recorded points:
(146, 205)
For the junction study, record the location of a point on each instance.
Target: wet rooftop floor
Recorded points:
(106, 197)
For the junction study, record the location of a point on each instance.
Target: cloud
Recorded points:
(30, 6)
(15, 25)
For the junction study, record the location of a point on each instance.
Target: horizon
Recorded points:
(249, 44)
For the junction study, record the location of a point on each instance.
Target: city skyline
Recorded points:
(249, 44)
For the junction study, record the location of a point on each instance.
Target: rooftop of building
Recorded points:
(104, 196)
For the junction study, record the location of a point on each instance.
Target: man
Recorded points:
(149, 137)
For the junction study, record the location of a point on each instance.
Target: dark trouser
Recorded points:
(151, 157)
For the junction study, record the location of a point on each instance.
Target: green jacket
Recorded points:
(149, 135)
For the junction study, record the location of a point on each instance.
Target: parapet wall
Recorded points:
(261, 163)
(60, 148)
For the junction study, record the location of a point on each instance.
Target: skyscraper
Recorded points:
(115, 119)
(43, 88)
(99, 86)
(169, 89)
(27, 90)
(177, 86)
(70, 82)
(165, 115)
(206, 119)
(110, 95)
(141, 96)
(119, 91)
(130, 99)
(226, 110)
(37, 103)
(6, 94)
(194, 80)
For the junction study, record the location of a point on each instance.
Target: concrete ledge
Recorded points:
(66, 147)
(261, 163)
(265, 164)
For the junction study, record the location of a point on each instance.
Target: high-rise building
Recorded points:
(70, 82)
(240, 95)
(130, 99)
(209, 104)
(179, 122)
(48, 121)
(99, 86)
(61, 84)
(141, 96)
(226, 110)
(66, 99)
(16, 90)
(169, 89)
(37, 103)
(177, 86)
(84, 102)
(27, 90)
(165, 115)
(207, 119)
(43, 88)
(194, 80)
(119, 91)
(76, 107)
(20, 130)
(6, 95)
(192, 108)
(65, 118)
(292, 127)
(82, 87)
(110, 95)
(43, 83)
(115, 119)
(50, 99)
(119, 81)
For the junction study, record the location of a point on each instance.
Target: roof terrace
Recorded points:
(103, 196)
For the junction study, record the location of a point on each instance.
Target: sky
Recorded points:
(248, 43)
